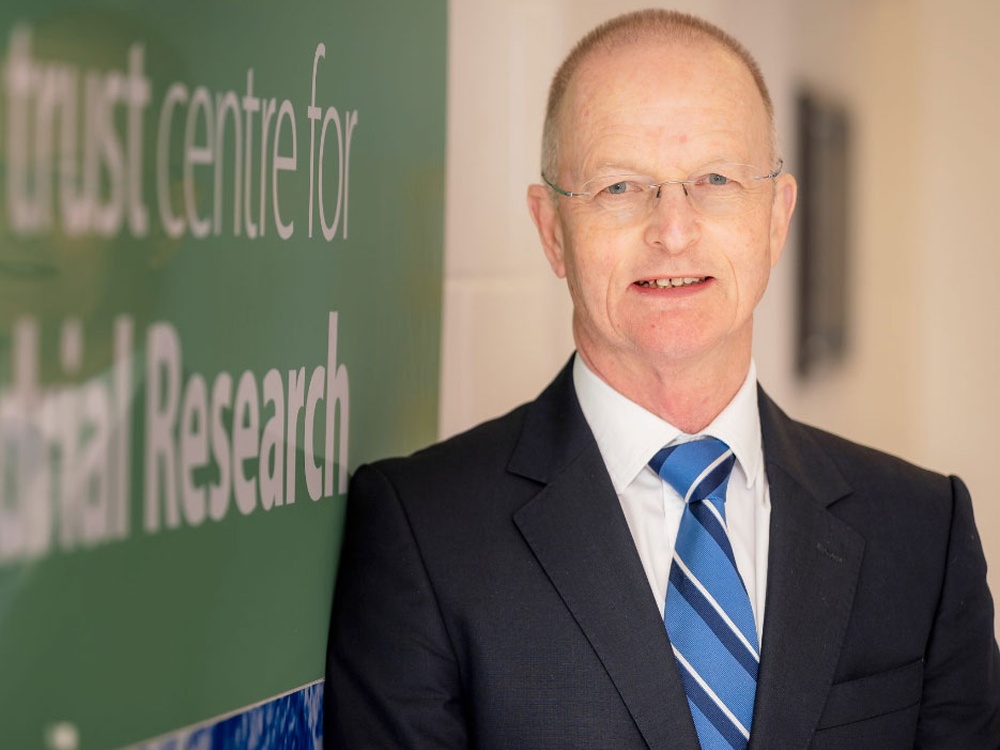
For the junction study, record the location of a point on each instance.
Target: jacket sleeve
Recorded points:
(961, 701)
(392, 679)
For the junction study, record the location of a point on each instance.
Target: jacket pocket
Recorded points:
(874, 695)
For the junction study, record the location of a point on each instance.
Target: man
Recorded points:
(546, 580)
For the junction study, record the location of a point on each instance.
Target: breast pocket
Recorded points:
(875, 711)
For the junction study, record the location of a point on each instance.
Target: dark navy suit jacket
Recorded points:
(490, 596)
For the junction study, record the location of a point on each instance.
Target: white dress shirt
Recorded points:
(628, 436)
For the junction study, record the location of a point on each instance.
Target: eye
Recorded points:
(714, 179)
(727, 177)
(621, 189)
(618, 192)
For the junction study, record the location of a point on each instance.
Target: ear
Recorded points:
(542, 208)
(785, 194)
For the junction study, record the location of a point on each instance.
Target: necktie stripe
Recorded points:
(708, 616)
(732, 684)
(709, 736)
(694, 457)
(717, 576)
(709, 480)
(709, 518)
(721, 626)
(705, 699)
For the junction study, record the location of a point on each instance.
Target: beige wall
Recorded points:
(922, 80)
(923, 376)
(958, 305)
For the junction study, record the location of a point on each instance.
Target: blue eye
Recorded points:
(618, 188)
(716, 179)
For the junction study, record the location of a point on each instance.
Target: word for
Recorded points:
(77, 153)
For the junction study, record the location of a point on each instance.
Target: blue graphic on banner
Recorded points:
(293, 721)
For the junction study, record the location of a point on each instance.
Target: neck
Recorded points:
(687, 394)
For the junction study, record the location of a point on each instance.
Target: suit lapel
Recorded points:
(577, 531)
(813, 565)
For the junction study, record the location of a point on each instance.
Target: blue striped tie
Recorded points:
(707, 613)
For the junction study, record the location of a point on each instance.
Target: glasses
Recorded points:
(716, 190)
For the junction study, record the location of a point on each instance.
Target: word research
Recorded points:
(209, 449)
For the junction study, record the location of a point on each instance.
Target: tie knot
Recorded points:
(697, 470)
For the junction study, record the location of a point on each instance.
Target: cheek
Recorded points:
(756, 273)
(750, 261)
(591, 264)
(577, 278)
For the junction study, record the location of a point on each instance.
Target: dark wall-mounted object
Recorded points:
(823, 171)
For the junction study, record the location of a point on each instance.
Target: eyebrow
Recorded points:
(614, 169)
(612, 177)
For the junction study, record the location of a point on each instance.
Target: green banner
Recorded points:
(220, 291)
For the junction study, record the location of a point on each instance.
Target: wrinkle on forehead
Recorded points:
(665, 105)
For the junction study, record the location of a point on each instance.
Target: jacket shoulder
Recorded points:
(471, 457)
(834, 466)
(863, 465)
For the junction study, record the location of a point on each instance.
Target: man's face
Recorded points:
(660, 112)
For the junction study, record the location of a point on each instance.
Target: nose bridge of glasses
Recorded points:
(656, 190)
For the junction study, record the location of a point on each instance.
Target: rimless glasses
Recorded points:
(716, 190)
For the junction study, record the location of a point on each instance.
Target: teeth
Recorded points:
(672, 282)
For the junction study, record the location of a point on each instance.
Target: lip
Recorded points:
(648, 285)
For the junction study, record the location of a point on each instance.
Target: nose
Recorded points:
(673, 222)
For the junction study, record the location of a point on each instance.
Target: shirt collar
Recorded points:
(628, 435)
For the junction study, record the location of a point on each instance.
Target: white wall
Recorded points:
(958, 305)
(506, 324)
(506, 317)
(921, 79)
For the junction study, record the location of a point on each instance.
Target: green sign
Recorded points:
(221, 231)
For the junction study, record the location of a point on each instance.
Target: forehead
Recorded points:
(675, 102)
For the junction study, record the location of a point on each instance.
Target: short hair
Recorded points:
(632, 28)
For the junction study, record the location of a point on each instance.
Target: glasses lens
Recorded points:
(723, 189)
(716, 190)
(621, 198)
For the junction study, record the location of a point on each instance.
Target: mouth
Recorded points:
(672, 282)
